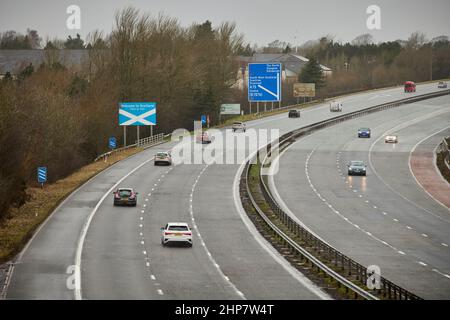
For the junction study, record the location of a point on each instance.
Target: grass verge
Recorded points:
(20, 224)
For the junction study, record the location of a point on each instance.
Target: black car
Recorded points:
(125, 196)
(356, 168)
(294, 114)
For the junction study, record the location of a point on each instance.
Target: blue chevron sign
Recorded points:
(42, 174)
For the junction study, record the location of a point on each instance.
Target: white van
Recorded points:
(335, 106)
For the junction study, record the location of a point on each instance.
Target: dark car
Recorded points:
(356, 168)
(363, 133)
(125, 196)
(294, 114)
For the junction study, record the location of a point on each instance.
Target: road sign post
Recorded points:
(137, 135)
(42, 175)
(124, 136)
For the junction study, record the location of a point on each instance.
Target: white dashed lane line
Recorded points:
(145, 252)
(348, 220)
(385, 213)
(208, 253)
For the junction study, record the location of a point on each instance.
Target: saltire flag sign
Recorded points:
(137, 114)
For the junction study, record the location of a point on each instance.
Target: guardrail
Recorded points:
(446, 149)
(341, 262)
(443, 155)
(142, 143)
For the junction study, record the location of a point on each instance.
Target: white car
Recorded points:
(163, 158)
(335, 106)
(238, 126)
(176, 232)
(391, 139)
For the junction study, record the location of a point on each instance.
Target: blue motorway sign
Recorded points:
(137, 114)
(112, 143)
(264, 82)
(203, 119)
(42, 174)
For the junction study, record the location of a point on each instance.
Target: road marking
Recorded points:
(80, 243)
(424, 235)
(160, 292)
(152, 277)
(396, 220)
(444, 244)
(408, 227)
(396, 128)
(401, 252)
(211, 258)
(422, 263)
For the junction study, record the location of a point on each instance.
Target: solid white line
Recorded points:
(208, 253)
(297, 275)
(79, 251)
(412, 173)
(396, 128)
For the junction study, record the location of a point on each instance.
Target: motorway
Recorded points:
(386, 218)
(119, 250)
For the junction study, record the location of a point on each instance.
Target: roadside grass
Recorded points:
(18, 227)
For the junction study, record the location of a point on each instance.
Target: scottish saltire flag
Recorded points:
(137, 114)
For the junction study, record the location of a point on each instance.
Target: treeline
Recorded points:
(55, 117)
(363, 64)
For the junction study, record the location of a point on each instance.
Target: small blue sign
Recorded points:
(112, 143)
(203, 119)
(137, 114)
(264, 82)
(42, 174)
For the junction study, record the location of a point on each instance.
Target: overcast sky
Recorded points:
(261, 21)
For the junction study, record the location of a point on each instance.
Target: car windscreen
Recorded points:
(125, 193)
(237, 123)
(357, 163)
(178, 228)
(161, 154)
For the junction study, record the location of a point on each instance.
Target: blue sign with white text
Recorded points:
(137, 114)
(203, 119)
(112, 143)
(42, 174)
(264, 82)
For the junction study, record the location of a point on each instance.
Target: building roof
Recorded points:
(293, 63)
(14, 61)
